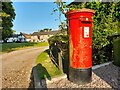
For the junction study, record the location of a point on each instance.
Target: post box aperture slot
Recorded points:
(86, 19)
(86, 22)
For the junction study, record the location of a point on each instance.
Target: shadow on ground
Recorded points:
(41, 74)
(31, 84)
(110, 74)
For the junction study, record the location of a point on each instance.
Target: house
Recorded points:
(42, 36)
(22, 37)
(13, 38)
(35, 37)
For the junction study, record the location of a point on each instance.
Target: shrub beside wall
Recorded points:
(59, 43)
(116, 51)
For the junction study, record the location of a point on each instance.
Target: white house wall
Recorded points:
(28, 40)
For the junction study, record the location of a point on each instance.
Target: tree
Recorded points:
(45, 29)
(106, 22)
(8, 15)
(0, 16)
(62, 26)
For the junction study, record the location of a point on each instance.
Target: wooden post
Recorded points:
(60, 61)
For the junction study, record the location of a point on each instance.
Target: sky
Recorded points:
(34, 16)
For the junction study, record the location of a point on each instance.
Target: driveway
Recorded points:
(17, 67)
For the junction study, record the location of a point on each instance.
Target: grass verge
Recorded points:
(8, 47)
(45, 67)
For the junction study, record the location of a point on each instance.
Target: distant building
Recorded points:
(35, 37)
(43, 36)
(23, 37)
(13, 38)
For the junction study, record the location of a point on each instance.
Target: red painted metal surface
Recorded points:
(80, 30)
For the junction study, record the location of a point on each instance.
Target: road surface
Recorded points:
(17, 67)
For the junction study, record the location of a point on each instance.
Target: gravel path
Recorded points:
(103, 77)
(17, 66)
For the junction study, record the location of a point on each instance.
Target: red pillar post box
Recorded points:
(80, 45)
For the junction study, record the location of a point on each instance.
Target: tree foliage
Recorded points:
(106, 22)
(45, 29)
(8, 15)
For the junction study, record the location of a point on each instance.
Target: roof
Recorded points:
(27, 36)
(45, 33)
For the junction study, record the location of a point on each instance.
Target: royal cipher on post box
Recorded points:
(80, 45)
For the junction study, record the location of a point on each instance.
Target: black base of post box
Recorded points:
(80, 76)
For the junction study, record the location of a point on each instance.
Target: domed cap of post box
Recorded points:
(80, 10)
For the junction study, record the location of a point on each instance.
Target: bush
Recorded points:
(99, 55)
(59, 44)
(116, 51)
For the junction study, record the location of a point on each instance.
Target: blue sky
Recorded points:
(33, 16)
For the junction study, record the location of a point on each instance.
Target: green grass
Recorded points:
(45, 67)
(8, 47)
